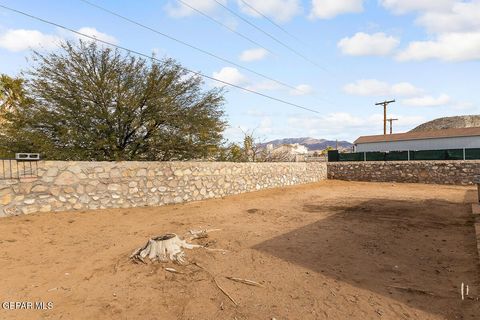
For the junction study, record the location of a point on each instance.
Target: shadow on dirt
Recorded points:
(471, 196)
(416, 252)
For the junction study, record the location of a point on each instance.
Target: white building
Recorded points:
(287, 152)
(462, 138)
(291, 149)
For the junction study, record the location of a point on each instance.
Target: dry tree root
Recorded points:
(246, 281)
(216, 283)
(200, 234)
(224, 292)
(172, 270)
(164, 248)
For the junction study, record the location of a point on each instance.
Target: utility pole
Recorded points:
(391, 124)
(384, 104)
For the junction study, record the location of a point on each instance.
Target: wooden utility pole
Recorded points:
(391, 124)
(384, 104)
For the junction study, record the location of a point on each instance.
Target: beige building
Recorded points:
(288, 152)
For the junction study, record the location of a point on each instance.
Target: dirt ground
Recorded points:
(331, 250)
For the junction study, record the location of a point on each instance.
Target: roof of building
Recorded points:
(420, 135)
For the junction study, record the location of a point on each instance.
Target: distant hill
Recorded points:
(312, 144)
(449, 123)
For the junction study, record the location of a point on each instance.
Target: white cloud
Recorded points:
(178, 10)
(267, 85)
(462, 17)
(266, 126)
(416, 96)
(407, 121)
(235, 77)
(405, 89)
(280, 10)
(404, 6)
(327, 9)
(231, 22)
(255, 113)
(447, 47)
(362, 44)
(230, 75)
(454, 26)
(22, 39)
(427, 101)
(328, 124)
(344, 119)
(463, 106)
(373, 87)
(253, 54)
(367, 87)
(302, 90)
(92, 32)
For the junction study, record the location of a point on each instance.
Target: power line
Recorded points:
(269, 35)
(270, 20)
(189, 45)
(275, 24)
(153, 58)
(198, 48)
(224, 25)
(202, 50)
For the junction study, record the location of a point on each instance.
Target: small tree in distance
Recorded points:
(94, 103)
(329, 148)
(253, 150)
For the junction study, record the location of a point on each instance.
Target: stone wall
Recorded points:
(432, 172)
(95, 185)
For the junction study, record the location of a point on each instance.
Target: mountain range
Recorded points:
(312, 144)
(450, 123)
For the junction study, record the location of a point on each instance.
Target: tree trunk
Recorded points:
(164, 248)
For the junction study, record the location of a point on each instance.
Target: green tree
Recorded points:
(251, 150)
(94, 103)
(329, 148)
(12, 93)
(231, 152)
(13, 98)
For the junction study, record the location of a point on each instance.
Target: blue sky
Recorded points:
(423, 53)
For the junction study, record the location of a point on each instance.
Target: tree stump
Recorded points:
(164, 248)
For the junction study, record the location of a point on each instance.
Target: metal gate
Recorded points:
(25, 165)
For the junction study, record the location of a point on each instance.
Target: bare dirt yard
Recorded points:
(331, 250)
